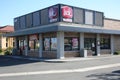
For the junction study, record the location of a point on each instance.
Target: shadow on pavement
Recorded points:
(54, 61)
(115, 75)
(7, 61)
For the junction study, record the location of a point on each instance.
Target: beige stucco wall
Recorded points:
(3, 42)
(111, 24)
(117, 42)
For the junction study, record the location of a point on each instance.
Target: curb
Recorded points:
(63, 60)
(50, 60)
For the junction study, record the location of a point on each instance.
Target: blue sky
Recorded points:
(10, 9)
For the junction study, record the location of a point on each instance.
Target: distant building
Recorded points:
(6, 42)
(65, 31)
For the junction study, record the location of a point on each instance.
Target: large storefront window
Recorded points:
(89, 43)
(46, 44)
(50, 44)
(53, 44)
(33, 45)
(105, 43)
(33, 42)
(71, 44)
(22, 44)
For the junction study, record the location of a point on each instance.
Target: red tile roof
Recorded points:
(7, 28)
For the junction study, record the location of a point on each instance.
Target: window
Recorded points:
(36, 18)
(22, 44)
(33, 42)
(50, 44)
(29, 20)
(44, 16)
(6, 39)
(75, 43)
(13, 44)
(89, 43)
(16, 23)
(105, 43)
(33, 45)
(67, 44)
(98, 19)
(53, 44)
(78, 16)
(46, 44)
(22, 22)
(71, 44)
(6, 44)
(88, 17)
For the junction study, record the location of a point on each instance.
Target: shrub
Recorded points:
(1, 51)
(117, 53)
(8, 51)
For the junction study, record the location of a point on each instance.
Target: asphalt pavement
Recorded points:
(91, 68)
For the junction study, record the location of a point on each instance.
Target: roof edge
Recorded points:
(112, 19)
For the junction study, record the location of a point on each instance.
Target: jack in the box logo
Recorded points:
(67, 13)
(53, 14)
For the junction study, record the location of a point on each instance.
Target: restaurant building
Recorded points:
(61, 31)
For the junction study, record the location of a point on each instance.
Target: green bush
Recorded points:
(117, 53)
(8, 51)
(1, 51)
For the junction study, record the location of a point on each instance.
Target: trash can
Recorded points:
(83, 53)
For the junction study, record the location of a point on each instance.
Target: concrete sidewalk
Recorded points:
(14, 64)
(65, 59)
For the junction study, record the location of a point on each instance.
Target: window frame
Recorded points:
(49, 44)
(86, 17)
(38, 14)
(105, 43)
(23, 22)
(71, 44)
(90, 41)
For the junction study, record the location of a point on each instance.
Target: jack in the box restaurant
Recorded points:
(61, 31)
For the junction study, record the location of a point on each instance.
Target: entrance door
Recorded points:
(90, 45)
(21, 46)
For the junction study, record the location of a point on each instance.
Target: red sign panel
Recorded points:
(67, 13)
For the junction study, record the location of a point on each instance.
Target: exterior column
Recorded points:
(112, 44)
(26, 45)
(40, 45)
(3, 42)
(15, 46)
(60, 45)
(81, 41)
(15, 43)
(98, 44)
(83, 52)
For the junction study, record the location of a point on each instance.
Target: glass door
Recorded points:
(90, 44)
